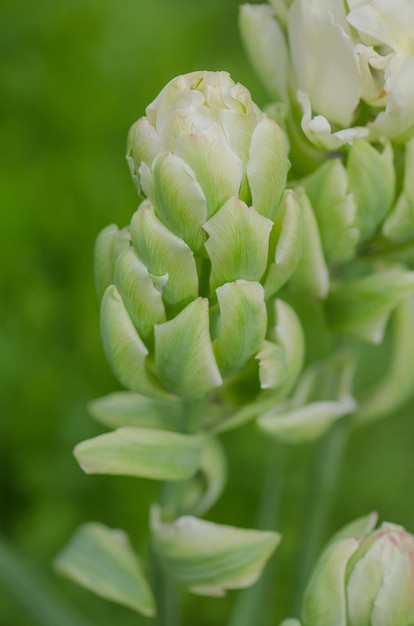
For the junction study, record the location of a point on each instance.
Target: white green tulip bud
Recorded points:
(337, 55)
(186, 285)
(364, 577)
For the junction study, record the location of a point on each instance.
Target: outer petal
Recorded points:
(319, 46)
(179, 199)
(165, 253)
(318, 130)
(184, 359)
(124, 349)
(266, 47)
(324, 603)
(387, 22)
(238, 243)
(217, 168)
(142, 300)
(243, 323)
(267, 167)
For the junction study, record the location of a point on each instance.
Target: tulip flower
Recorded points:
(364, 577)
(184, 286)
(330, 58)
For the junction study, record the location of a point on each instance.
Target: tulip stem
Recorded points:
(172, 500)
(252, 605)
(318, 503)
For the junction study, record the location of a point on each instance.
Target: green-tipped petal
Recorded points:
(272, 366)
(335, 210)
(243, 323)
(267, 167)
(124, 349)
(324, 603)
(311, 275)
(142, 147)
(179, 199)
(288, 333)
(266, 47)
(143, 452)
(125, 408)
(217, 168)
(361, 308)
(209, 558)
(108, 246)
(103, 259)
(184, 358)
(287, 234)
(358, 528)
(102, 560)
(164, 253)
(142, 300)
(237, 244)
(372, 181)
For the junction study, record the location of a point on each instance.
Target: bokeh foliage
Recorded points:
(74, 75)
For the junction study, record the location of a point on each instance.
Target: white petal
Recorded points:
(318, 130)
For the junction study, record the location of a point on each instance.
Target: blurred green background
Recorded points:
(74, 75)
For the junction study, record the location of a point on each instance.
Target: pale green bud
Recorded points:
(187, 282)
(399, 225)
(363, 578)
(205, 138)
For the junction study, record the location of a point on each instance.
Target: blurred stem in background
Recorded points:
(253, 604)
(319, 500)
(33, 592)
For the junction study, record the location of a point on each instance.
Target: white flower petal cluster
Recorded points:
(339, 54)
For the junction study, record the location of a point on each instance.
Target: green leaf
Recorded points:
(143, 452)
(124, 408)
(217, 168)
(242, 326)
(164, 253)
(209, 558)
(184, 358)
(322, 396)
(311, 276)
(335, 210)
(141, 299)
(396, 387)
(287, 237)
(238, 243)
(124, 349)
(291, 424)
(267, 167)
(399, 226)
(102, 560)
(179, 199)
(361, 308)
(371, 177)
(324, 603)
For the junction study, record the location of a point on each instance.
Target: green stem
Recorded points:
(253, 604)
(319, 500)
(33, 592)
(172, 501)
